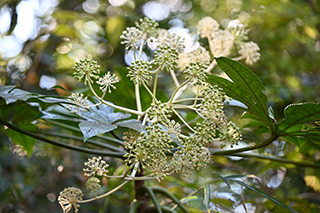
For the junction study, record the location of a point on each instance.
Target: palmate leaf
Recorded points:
(100, 120)
(297, 127)
(12, 94)
(244, 87)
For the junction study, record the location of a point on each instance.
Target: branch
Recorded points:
(282, 160)
(233, 151)
(89, 141)
(59, 144)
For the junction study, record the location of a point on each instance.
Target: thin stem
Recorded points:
(282, 160)
(187, 99)
(148, 90)
(238, 58)
(180, 106)
(59, 144)
(89, 141)
(185, 123)
(195, 101)
(174, 78)
(211, 66)
(112, 105)
(233, 151)
(138, 99)
(156, 83)
(141, 45)
(175, 92)
(140, 178)
(106, 194)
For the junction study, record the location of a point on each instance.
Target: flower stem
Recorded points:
(148, 90)
(112, 105)
(183, 121)
(175, 92)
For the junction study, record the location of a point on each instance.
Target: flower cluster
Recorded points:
(167, 56)
(196, 72)
(95, 166)
(225, 42)
(139, 72)
(192, 155)
(131, 37)
(249, 51)
(174, 41)
(159, 112)
(207, 26)
(150, 149)
(80, 103)
(86, 68)
(93, 184)
(106, 82)
(148, 27)
(69, 198)
(198, 55)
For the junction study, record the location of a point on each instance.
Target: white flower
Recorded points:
(96, 166)
(165, 38)
(107, 82)
(199, 55)
(70, 197)
(249, 50)
(206, 26)
(221, 43)
(131, 38)
(81, 104)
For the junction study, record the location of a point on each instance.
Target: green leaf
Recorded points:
(60, 87)
(131, 124)
(11, 94)
(297, 127)
(93, 128)
(244, 87)
(25, 141)
(100, 120)
(263, 194)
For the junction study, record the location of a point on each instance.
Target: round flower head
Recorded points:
(86, 68)
(70, 197)
(207, 26)
(81, 104)
(167, 56)
(92, 184)
(159, 112)
(96, 166)
(229, 135)
(131, 37)
(139, 72)
(107, 82)
(174, 41)
(148, 27)
(196, 72)
(222, 42)
(250, 51)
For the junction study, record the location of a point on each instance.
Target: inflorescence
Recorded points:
(168, 143)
